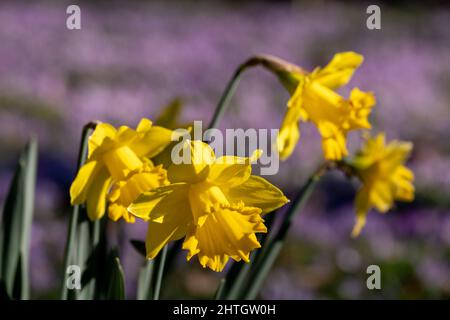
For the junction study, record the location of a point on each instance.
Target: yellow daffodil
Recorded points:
(384, 177)
(216, 204)
(315, 100)
(118, 168)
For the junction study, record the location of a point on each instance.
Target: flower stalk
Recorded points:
(272, 249)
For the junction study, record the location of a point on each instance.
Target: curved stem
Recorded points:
(272, 249)
(226, 96)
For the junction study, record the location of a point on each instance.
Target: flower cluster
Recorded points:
(314, 98)
(216, 204)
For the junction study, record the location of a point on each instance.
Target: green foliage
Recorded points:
(15, 227)
(86, 245)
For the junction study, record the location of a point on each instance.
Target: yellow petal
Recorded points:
(173, 226)
(116, 211)
(333, 141)
(382, 195)
(159, 234)
(96, 197)
(362, 206)
(144, 125)
(158, 203)
(396, 153)
(101, 132)
(152, 140)
(257, 192)
(196, 159)
(82, 181)
(232, 171)
(289, 131)
(121, 162)
(339, 71)
(403, 179)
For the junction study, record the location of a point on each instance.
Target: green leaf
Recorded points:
(15, 226)
(220, 289)
(170, 114)
(145, 288)
(151, 275)
(116, 289)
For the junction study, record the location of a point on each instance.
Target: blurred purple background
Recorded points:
(131, 58)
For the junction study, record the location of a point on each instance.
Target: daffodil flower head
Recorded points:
(118, 156)
(214, 203)
(315, 100)
(384, 177)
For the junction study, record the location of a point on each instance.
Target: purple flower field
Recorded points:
(130, 59)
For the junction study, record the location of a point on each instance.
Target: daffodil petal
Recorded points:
(96, 198)
(81, 183)
(161, 202)
(231, 170)
(339, 70)
(173, 225)
(362, 207)
(144, 125)
(101, 132)
(257, 192)
(333, 141)
(289, 131)
(153, 140)
(197, 157)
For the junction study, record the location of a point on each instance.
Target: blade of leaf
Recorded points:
(145, 287)
(220, 289)
(15, 226)
(170, 114)
(116, 290)
(160, 261)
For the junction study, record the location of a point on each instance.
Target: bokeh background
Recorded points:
(131, 58)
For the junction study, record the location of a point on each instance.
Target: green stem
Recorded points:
(159, 267)
(235, 278)
(230, 90)
(272, 249)
(69, 250)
